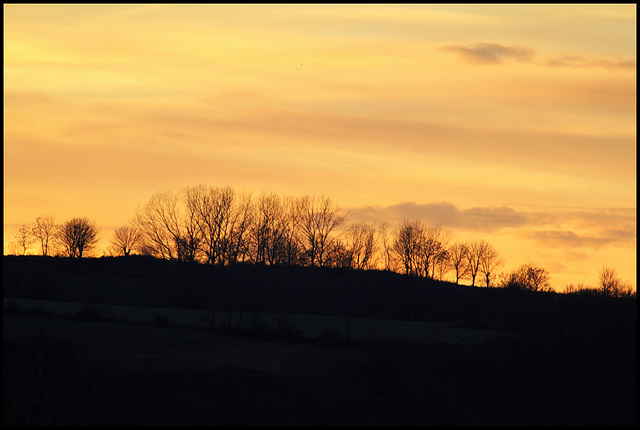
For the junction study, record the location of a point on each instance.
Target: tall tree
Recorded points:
(458, 260)
(269, 230)
(238, 229)
(78, 236)
(361, 245)
(317, 219)
(490, 260)
(43, 230)
(158, 221)
(474, 254)
(433, 249)
(407, 246)
(386, 249)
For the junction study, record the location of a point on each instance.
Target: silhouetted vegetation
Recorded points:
(565, 359)
(551, 359)
(218, 226)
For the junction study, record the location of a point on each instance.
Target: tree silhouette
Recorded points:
(489, 259)
(528, 277)
(361, 245)
(474, 253)
(407, 246)
(611, 285)
(317, 218)
(78, 236)
(458, 260)
(216, 225)
(44, 230)
(433, 249)
(125, 240)
(158, 221)
(24, 239)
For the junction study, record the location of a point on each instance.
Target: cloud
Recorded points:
(490, 53)
(586, 229)
(568, 239)
(495, 53)
(576, 61)
(552, 228)
(445, 214)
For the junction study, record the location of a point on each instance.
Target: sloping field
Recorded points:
(306, 325)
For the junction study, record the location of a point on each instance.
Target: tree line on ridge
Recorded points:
(219, 226)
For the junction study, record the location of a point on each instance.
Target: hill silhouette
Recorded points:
(564, 360)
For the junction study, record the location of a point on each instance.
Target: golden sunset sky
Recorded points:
(515, 124)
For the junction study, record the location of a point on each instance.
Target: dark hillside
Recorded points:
(146, 281)
(565, 360)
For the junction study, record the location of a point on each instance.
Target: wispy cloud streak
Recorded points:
(496, 53)
(490, 53)
(576, 61)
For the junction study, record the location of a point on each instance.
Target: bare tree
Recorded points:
(441, 265)
(191, 237)
(538, 278)
(238, 229)
(223, 219)
(474, 254)
(125, 240)
(407, 246)
(338, 254)
(290, 249)
(158, 221)
(23, 239)
(458, 260)
(528, 277)
(43, 230)
(386, 246)
(433, 249)
(490, 260)
(317, 219)
(212, 207)
(269, 230)
(611, 285)
(78, 236)
(361, 245)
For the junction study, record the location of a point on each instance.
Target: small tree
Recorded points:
(612, 286)
(125, 240)
(529, 277)
(24, 239)
(78, 236)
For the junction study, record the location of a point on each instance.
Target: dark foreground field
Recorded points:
(87, 370)
(69, 372)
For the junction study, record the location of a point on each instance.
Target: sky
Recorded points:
(513, 124)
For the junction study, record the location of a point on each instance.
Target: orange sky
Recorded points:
(515, 124)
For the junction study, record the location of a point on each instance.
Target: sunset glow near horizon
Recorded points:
(514, 124)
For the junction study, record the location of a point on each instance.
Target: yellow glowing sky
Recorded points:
(510, 123)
